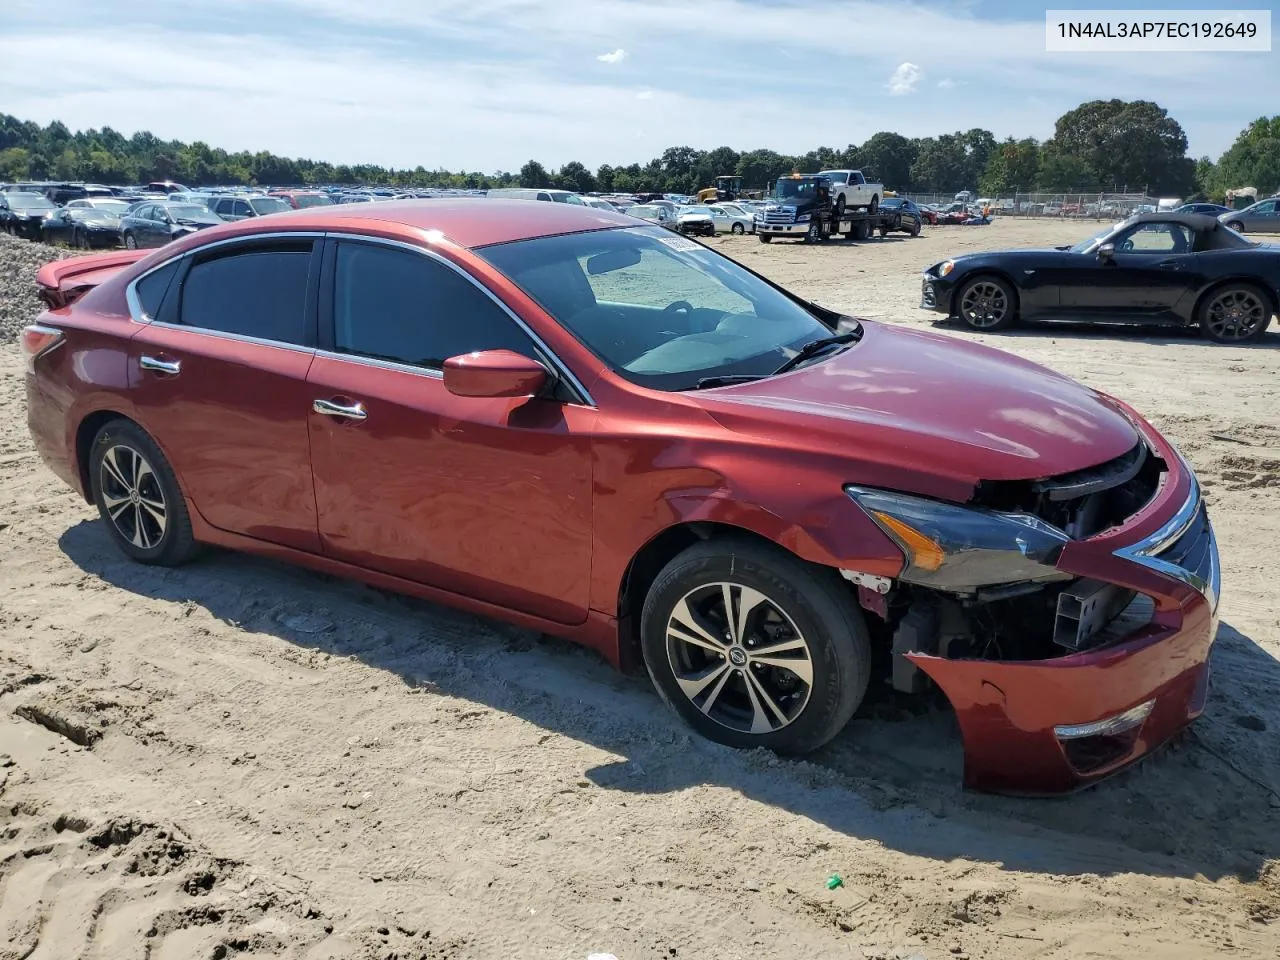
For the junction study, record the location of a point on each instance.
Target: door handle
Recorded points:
(1170, 264)
(171, 367)
(355, 411)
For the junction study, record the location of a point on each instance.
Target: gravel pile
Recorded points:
(20, 261)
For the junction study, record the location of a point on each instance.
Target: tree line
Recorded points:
(1100, 146)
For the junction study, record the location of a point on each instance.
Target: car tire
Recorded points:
(814, 233)
(1236, 225)
(800, 613)
(840, 207)
(738, 228)
(765, 237)
(874, 206)
(1225, 309)
(992, 303)
(138, 496)
(130, 242)
(915, 228)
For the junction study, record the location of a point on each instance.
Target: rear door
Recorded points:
(219, 379)
(1263, 218)
(487, 498)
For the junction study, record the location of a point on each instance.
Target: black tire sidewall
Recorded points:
(176, 545)
(837, 638)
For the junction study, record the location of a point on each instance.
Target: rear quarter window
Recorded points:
(260, 292)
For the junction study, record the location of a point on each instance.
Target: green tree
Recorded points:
(1252, 161)
(941, 164)
(1127, 145)
(1012, 167)
(1062, 172)
(886, 157)
(15, 163)
(574, 176)
(534, 174)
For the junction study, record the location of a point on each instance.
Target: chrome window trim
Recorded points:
(138, 315)
(238, 337)
(560, 366)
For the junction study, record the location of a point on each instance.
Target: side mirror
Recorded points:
(494, 373)
(1106, 251)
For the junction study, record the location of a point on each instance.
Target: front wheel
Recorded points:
(138, 496)
(1236, 225)
(755, 648)
(765, 237)
(1236, 313)
(987, 303)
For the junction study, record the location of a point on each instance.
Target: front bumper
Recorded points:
(935, 294)
(1052, 726)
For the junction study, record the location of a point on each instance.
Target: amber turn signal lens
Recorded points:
(925, 553)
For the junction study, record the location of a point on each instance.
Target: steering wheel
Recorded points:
(679, 305)
(1125, 246)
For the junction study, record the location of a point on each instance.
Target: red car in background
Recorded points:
(301, 199)
(588, 426)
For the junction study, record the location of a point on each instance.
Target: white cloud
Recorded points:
(904, 79)
(616, 57)
(946, 83)
(644, 95)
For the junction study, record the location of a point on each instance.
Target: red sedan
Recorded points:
(556, 415)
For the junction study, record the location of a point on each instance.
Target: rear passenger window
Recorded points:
(397, 305)
(150, 290)
(257, 292)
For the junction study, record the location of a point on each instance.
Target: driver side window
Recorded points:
(1156, 238)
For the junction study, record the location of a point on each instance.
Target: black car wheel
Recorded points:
(765, 237)
(130, 241)
(1236, 225)
(814, 233)
(986, 303)
(839, 210)
(1235, 313)
(755, 648)
(138, 496)
(915, 228)
(874, 206)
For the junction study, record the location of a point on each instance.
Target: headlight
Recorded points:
(946, 267)
(802, 218)
(958, 548)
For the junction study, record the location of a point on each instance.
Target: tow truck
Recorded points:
(800, 207)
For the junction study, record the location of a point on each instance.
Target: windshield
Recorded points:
(1084, 246)
(188, 211)
(795, 188)
(662, 311)
(837, 177)
(265, 205)
(705, 211)
(97, 216)
(312, 200)
(30, 201)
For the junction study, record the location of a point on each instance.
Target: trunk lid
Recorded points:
(63, 282)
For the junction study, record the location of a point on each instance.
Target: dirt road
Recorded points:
(238, 758)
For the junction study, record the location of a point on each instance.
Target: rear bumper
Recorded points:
(1053, 726)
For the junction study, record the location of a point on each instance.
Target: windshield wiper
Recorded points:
(814, 347)
(727, 379)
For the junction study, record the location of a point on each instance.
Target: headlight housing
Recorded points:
(945, 267)
(960, 549)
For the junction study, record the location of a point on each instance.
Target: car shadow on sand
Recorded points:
(1205, 805)
(1159, 335)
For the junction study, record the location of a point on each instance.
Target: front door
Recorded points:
(486, 498)
(1151, 270)
(219, 379)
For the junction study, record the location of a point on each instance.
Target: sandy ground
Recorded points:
(240, 758)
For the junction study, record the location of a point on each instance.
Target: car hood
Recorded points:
(924, 404)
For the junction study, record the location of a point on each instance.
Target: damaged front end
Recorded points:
(1068, 619)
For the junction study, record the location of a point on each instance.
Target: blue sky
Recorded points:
(487, 84)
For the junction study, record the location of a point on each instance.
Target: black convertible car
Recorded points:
(1171, 269)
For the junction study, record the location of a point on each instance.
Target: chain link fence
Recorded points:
(1079, 206)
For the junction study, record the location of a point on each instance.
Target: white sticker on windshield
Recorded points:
(683, 244)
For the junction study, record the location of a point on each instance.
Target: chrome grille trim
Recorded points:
(1191, 519)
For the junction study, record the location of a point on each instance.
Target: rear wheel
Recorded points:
(738, 229)
(755, 648)
(1236, 313)
(130, 241)
(987, 303)
(839, 209)
(138, 496)
(874, 206)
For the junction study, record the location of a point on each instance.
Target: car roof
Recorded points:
(467, 221)
(1196, 221)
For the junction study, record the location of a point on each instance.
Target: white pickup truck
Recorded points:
(851, 191)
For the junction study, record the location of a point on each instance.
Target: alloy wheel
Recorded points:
(984, 305)
(133, 497)
(739, 657)
(1235, 314)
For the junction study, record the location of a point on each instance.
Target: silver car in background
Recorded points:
(1261, 217)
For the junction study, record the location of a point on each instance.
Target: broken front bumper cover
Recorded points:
(1052, 726)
